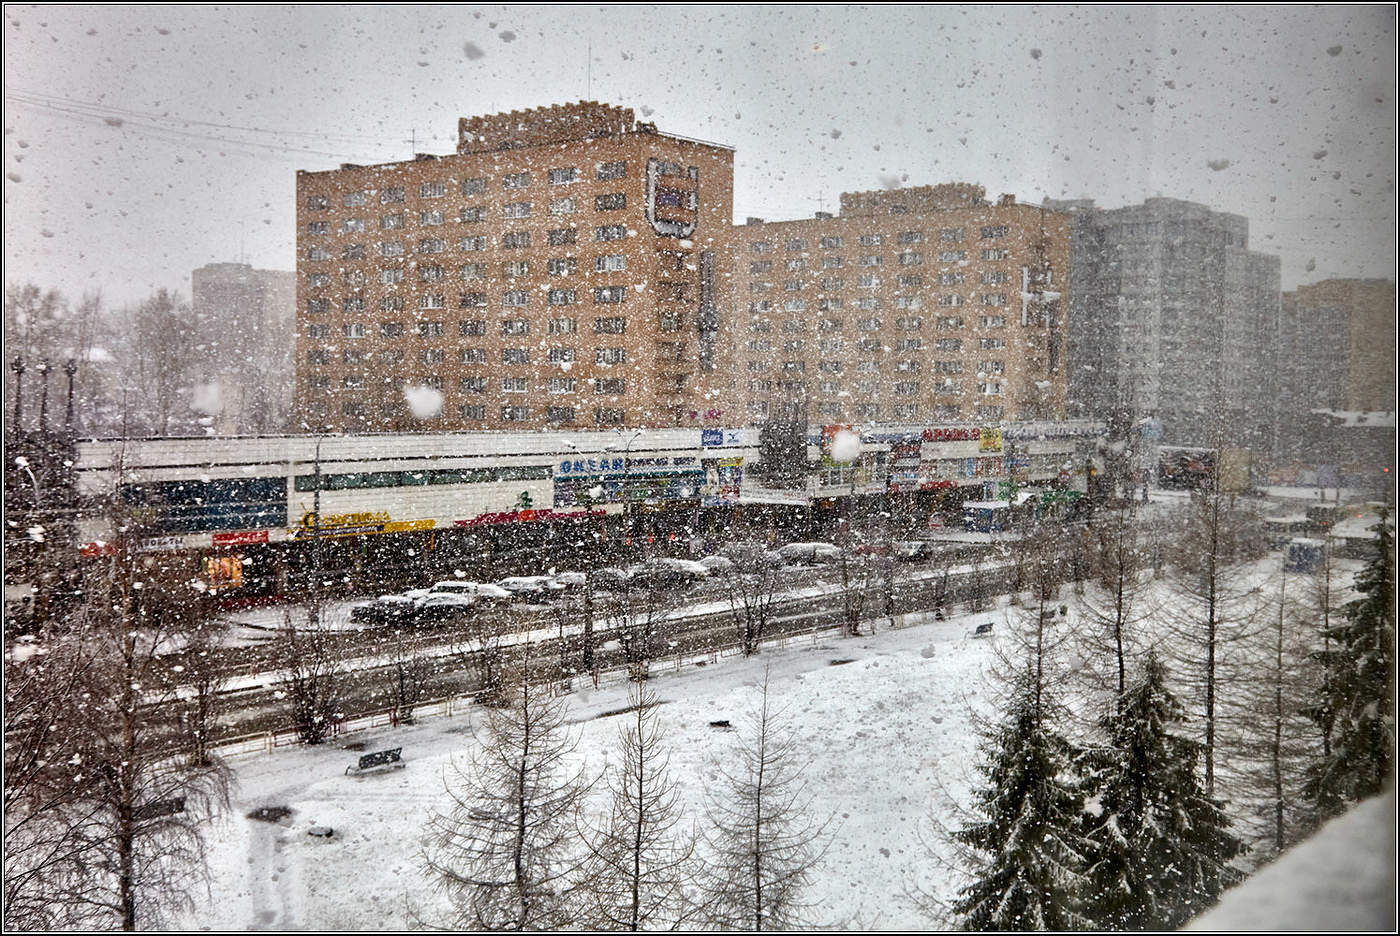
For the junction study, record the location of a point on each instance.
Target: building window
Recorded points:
(909, 323)
(989, 388)
(474, 243)
(390, 277)
(911, 281)
(515, 384)
(948, 344)
(354, 330)
(947, 367)
(389, 196)
(562, 297)
(993, 321)
(515, 327)
(430, 355)
(867, 281)
(792, 286)
(951, 278)
(951, 234)
(353, 304)
(612, 263)
(472, 412)
(994, 299)
(831, 242)
(391, 329)
(318, 356)
(353, 252)
(352, 409)
(563, 236)
(432, 302)
(473, 271)
(317, 203)
(870, 324)
(609, 295)
(563, 206)
(795, 305)
(993, 276)
(430, 217)
(610, 232)
(995, 253)
(563, 266)
(561, 355)
(761, 266)
(353, 357)
(796, 264)
(911, 258)
(911, 237)
(829, 305)
(516, 210)
(952, 256)
(949, 322)
(354, 199)
(515, 268)
(432, 190)
(391, 222)
(561, 384)
(431, 245)
(429, 273)
(563, 326)
(320, 279)
(472, 300)
(559, 414)
(872, 240)
(430, 329)
(609, 355)
(615, 325)
(610, 202)
(952, 299)
(796, 244)
(317, 306)
(611, 170)
(992, 344)
(516, 180)
(909, 344)
(515, 298)
(608, 416)
(515, 356)
(833, 283)
(471, 328)
(472, 384)
(907, 367)
(907, 388)
(391, 249)
(563, 176)
(992, 368)
(761, 247)
(318, 331)
(999, 230)
(473, 186)
(867, 302)
(833, 263)
(906, 302)
(473, 214)
(614, 386)
(318, 227)
(514, 239)
(474, 356)
(515, 413)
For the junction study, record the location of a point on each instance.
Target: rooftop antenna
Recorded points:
(412, 142)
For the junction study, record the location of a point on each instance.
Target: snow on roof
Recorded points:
(1342, 879)
(986, 505)
(1354, 418)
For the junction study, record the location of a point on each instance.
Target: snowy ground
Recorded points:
(888, 733)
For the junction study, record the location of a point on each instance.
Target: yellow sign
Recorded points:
(357, 524)
(989, 440)
(223, 572)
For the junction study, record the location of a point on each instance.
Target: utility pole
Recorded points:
(71, 369)
(17, 365)
(43, 369)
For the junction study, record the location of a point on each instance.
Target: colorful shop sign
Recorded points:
(723, 478)
(989, 440)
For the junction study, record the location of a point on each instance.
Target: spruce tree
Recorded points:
(1158, 844)
(1030, 846)
(1357, 692)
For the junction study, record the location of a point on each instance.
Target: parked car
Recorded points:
(441, 607)
(611, 579)
(717, 565)
(809, 553)
(387, 609)
(480, 590)
(913, 550)
(750, 555)
(531, 587)
(667, 573)
(570, 581)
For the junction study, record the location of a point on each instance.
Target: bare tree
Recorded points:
(854, 576)
(312, 677)
(504, 854)
(637, 617)
(409, 675)
(1113, 604)
(764, 846)
(641, 863)
(752, 587)
(205, 678)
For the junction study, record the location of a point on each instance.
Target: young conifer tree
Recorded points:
(1158, 845)
(641, 863)
(764, 846)
(504, 853)
(1359, 688)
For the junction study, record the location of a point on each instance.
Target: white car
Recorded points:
(531, 586)
(809, 552)
(481, 590)
(571, 581)
(443, 606)
(684, 566)
(718, 565)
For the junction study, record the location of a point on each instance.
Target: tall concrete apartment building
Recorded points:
(1173, 317)
(562, 268)
(249, 319)
(913, 305)
(1336, 353)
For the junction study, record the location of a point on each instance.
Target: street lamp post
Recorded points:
(627, 482)
(17, 365)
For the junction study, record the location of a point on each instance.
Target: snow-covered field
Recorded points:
(887, 733)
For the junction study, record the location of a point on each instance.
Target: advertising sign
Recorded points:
(989, 440)
(723, 477)
(240, 539)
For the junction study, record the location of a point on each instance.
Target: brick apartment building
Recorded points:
(912, 305)
(562, 268)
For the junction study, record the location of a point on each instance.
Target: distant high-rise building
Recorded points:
(246, 321)
(562, 268)
(1173, 318)
(1336, 352)
(912, 306)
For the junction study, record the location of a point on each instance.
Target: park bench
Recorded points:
(389, 758)
(983, 630)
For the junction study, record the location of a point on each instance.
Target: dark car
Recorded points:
(389, 609)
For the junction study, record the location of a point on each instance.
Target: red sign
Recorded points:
(522, 516)
(951, 435)
(98, 549)
(240, 539)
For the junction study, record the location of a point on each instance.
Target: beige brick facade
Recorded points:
(564, 268)
(914, 305)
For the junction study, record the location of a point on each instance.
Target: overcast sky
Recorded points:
(144, 141)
